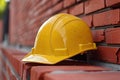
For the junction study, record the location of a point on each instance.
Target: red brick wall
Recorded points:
(1, 31)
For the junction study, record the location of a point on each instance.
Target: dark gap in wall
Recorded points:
(6, 22)
(115, 6)
(80, 57)
(117, 53)
(99, 11)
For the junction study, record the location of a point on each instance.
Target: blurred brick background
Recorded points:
(26, 17)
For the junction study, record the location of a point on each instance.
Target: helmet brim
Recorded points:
(44, 59)
(48, 59)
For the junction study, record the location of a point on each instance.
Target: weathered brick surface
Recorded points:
(98, 35)
(88, 20)
(77, 9)
(57, 7)
(41, 70)
(93, 5)
(68, 3)
(106, 18)
(107, 54)
(112, 35)
(83, 76)
(15, 57)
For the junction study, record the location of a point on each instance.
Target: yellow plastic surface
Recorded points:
(60, 37)
(2, 5)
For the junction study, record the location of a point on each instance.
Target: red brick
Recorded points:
(36, 2)
(8, 69)
(98, 35)
(10, 73)
(20, 67)
(28, 66)
(112, 35)
(55, 1)
(83, 76)
(64, 11)
(39, 71)
(4, 77)
(93, 5)
(1, 63)
(107, 54)
(79, 0)
(57, 7)
(26, 71)
(15, 57)
(38, 6)
(106, 18)
(68, 3)
(1, 76)
(112, 2)
(40, 10)
(88, 20)
(77, 9)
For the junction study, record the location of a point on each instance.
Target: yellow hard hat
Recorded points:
(2, 5)
(60, 37)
